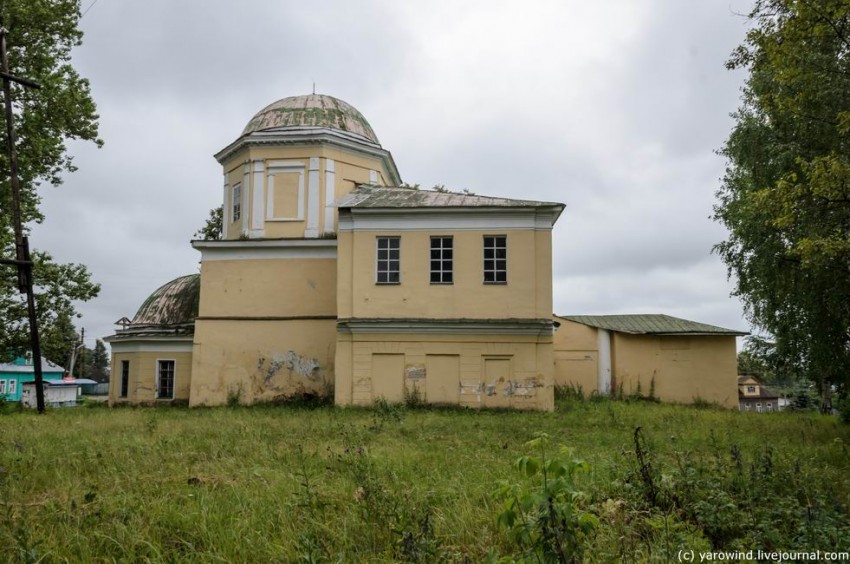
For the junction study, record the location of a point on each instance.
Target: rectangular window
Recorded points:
(495, 259)
(237, 202)
(389, 260)
(758, 407)
(165, 379)
(751, 389)
(13, 387)
(2, 386)
(125, 377)
(442, 260)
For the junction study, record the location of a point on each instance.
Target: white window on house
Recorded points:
(125, 377)
(165, 379)
(758, 407)
(746, 407)
(495, 259)
(2, 386)
(442, 260)
(236, 206)
(388, 260)
(13, 387)
(751, 389)
(769, 406)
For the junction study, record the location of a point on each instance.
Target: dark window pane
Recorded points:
(394, 254)
(394, 277)
(488, 277)
(501, 276)
(447, 254)
(435, 253)
(501, 253)
(447, 277)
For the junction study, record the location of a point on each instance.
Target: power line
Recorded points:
(87, 9)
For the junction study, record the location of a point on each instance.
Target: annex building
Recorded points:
(332, 277)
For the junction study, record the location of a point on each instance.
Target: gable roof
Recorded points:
(650, 324)
(14, 367)
(369, 196)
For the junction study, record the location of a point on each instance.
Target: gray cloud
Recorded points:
(613, 109)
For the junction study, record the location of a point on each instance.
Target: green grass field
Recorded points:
(284, 484)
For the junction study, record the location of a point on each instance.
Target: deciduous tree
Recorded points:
(41, 34)
(785, 197)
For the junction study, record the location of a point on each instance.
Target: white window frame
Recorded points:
(236, 203)
(441, 265)
(492, 263)
(2, 387)
(384, 263)
(769, 406)
(758, 407)
(12, 387)
(158, 373)
(751, 389)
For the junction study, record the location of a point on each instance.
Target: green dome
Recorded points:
(312, 110)
(174, 303)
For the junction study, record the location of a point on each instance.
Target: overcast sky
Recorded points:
(614, 108)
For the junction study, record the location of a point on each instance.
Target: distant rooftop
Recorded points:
(650, 324)
(20, 366)
(369, 196)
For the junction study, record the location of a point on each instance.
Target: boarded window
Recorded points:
(388, 377)
(442, 378)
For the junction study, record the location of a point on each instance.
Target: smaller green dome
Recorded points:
(174, 303)
(312, 110)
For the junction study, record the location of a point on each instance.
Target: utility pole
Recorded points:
(22, 250)
(82, 353)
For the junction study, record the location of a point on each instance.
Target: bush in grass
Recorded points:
(765, 500)
(545, 516)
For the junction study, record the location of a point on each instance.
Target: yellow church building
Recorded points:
(332, 277)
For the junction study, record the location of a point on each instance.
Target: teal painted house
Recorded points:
(14, 374)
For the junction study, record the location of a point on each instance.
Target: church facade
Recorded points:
(333, 277)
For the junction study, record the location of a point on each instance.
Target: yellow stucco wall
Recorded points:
(349, 169)
(527, 295)
(683, 368)
(576, 356)
(268, 287)
(143, 373)
(261, 360)
(470, 370)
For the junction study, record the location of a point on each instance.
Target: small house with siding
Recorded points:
(14, 374)
(753, 396)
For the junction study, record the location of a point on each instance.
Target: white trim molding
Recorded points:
(312, 228)
(456, 219)
(258, 212)
(330, 195)
(265, 249)
(533, 327)
(285, 167)
(151, 344)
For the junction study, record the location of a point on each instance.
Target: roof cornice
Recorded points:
(312, 136)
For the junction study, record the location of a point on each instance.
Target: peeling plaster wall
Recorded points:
(143, 373)
(469, 370)
(257, 361)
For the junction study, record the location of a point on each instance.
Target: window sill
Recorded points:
(495, 283)
(387, 283)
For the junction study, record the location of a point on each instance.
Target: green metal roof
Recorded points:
(174, 303)
(369, 196)
(312, 110)
(650, 324)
